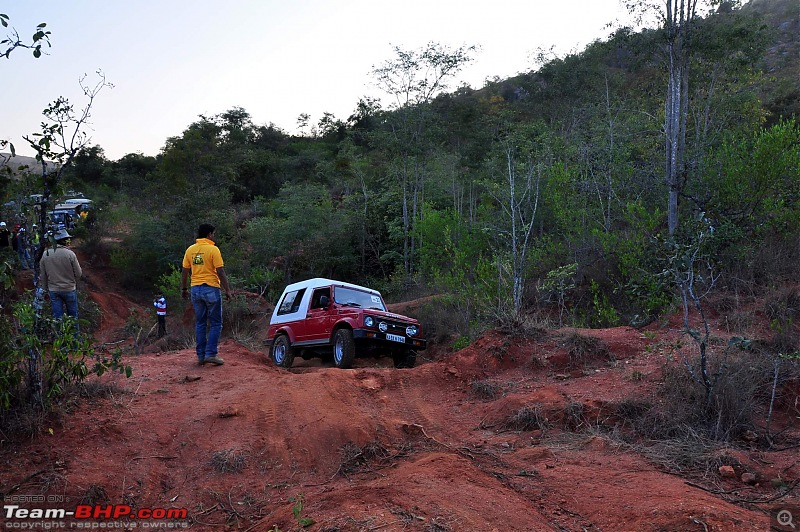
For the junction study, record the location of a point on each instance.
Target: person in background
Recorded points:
(33, 241)
(22, 249)
(160, 302)
(59, 274)
(5, 236)
(203, 261)
(14, 237)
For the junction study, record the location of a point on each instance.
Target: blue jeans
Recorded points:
(24, 258)
(64, 300)
(207, 303)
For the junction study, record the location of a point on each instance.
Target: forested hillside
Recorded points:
(547, 192)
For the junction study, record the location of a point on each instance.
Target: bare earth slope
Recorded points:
(374, 448)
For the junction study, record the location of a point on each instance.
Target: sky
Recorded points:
(171, 61)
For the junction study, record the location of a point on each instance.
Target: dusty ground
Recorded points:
(249, 446)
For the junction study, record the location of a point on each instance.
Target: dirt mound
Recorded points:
(481, 439)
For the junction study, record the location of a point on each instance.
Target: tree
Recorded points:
(413, 79)
(13, 40)
(63, 136)
(678, 19)
(305, 234)
(524, 156)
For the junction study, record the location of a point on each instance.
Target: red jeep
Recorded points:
(318, 317)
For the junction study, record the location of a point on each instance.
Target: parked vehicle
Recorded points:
(323, 317)
(81, 204)
(61, 217)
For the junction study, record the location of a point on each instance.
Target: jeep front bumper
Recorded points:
(393, 340)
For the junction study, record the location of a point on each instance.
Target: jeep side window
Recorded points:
(318, 294)
(291, 302)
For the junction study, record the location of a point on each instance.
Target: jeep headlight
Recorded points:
(368, 321)
(412, 330)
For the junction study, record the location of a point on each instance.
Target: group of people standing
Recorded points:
(24, 245)
(59, 268)
(60, 271)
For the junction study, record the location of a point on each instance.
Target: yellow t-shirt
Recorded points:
(203, 257)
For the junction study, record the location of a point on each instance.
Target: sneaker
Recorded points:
(201, 361)
(215, 360)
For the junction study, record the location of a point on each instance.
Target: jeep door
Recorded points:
(319, 317)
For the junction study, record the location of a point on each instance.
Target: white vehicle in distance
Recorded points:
(83, 202)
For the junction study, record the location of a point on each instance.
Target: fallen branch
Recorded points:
(17, 486)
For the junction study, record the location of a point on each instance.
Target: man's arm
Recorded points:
(43, 276)
(223, 279)
(185, 283)
(76, 268)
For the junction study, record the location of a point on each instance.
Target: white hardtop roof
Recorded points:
(319, 281)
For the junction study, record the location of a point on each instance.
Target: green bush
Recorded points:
(48, 355)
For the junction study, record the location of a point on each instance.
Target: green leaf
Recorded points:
(305, 522)
(741, 343)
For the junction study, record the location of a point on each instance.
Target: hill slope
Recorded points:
(375, 448)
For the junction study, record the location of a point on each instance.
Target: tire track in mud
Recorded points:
(403, 403)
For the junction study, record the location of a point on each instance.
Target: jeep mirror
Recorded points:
(323, 302)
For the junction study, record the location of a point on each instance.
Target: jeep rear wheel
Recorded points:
(344, 349)
(406, 359)
(282, 352)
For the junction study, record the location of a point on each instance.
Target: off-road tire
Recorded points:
(344, 349)
(282, 351)
(405, 359)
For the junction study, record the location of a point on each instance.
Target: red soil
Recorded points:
(375, 448)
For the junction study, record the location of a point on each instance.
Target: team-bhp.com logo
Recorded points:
(118, 512)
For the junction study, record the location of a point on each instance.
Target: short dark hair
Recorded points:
(204, 230)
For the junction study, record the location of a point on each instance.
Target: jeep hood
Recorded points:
(389, 315)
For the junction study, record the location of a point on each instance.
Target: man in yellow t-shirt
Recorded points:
(203, 261)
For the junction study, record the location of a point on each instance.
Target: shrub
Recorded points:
(584, 350)
(783, 308)
(50, 356)
(527, 418)
(486, 390)
(684, 410)
(228, 461)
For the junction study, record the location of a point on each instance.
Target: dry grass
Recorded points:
(228, 461)
(357, 459)
(486, 390)
(527, 418)
(584, 350)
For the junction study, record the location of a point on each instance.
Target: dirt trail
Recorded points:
(375, 448)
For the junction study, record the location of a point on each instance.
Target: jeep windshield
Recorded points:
(356, 298)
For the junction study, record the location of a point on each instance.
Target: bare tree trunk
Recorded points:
(521, 208)
(677, 21)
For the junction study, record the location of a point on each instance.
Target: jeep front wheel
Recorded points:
(344, 349)
(282, 352)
